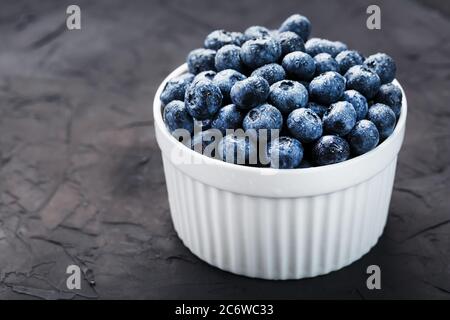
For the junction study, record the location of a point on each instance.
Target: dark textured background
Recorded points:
(81, 179)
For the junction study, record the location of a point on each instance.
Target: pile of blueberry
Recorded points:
(327, 102)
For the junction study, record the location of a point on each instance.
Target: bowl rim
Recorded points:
(159, 124)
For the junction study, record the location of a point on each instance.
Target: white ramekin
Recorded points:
(278, 224)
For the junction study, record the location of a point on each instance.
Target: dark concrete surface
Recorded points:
(81, 179)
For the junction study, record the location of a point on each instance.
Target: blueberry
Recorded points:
(287, 95)
(204, 76)
(317, 108)
(264, 116)
(219, 38)
(330, 149)
(176, 116)
(237, 149)
(364, 80)
(384, 119)
(228, 117)
(290, 42)
(383, 65)
(299, 65)
(347, 59)
(298, 24)
(250, 92)
(285, 153)
(256, 32)
(324, 63)
(200, 60)
(315, 46)
(340, 118)
(304, 125)
(358, 102)
(238, 38)
(272, 72)
(363, 137)
(229, 57)
(176, 88)
(203, 139)
(327, 87)
(258, 52)
(203, 99)
(390, 95)
(225, 80)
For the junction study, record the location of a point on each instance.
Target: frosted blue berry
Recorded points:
(383, 65)
(304, 125)
(285, 153)
(203, 99)
(329, 150)
(363, 80)
(272, 72)
(287, 95)
(250, 92)
(384, 119)
(200, 60)
(298, 24)
(340, 118)
(363, 137)
(358, 101)
(327, 88)
(299, 65)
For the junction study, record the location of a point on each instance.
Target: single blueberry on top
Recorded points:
(265, 117)
(290, 42)
(199, 60)
(315, 46)
(287, 95)
(285, 153)
(228, 117)
(327, 87)
(256, 32)
(203, 99)
(383, 65)
(175, 88)
(298, 24)
(390, 95)
(363, 137)
(358, 101)
(324, 63)
(258, 52)
(272, 72)
(384, 119)
(204, 76)
(340, 118)
(237, 149)
(319, 109)
(229, 57)
(347, 59)
(250, 92)
(219, 38)
(205, 142)
(176, 116)
(329, 150)
(363, 80)
(304, 125)
(225, 80)
(299, 65)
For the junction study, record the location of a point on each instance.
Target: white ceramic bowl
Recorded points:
(272, 223)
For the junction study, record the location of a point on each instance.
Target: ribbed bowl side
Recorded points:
(279, 238)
